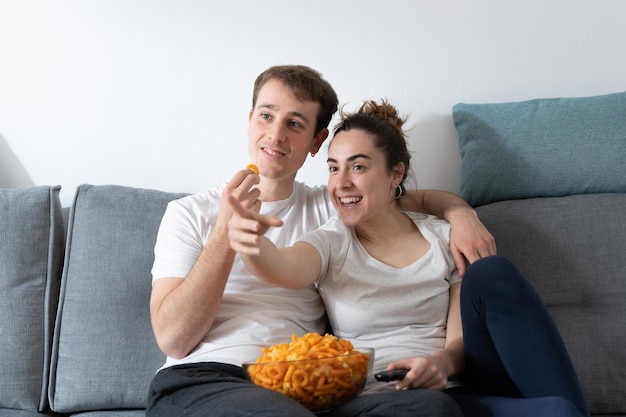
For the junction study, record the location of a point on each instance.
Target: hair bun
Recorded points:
(384, 111)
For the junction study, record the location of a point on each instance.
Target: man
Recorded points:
(209, 314)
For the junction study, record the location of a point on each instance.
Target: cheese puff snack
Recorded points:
(253, 167)
(320, 372)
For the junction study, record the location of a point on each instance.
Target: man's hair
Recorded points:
(306, 84)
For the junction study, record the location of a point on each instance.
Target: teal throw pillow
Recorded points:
(542, 148)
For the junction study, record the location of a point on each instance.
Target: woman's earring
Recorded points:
(312, 154)
(399, 192)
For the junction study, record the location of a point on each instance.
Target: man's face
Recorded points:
(281, 131)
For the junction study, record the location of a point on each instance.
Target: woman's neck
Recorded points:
(388, 225)
(395, 240)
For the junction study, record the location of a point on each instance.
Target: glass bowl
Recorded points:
(319, 384)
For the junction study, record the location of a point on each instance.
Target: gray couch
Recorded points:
(547, 176)
(76, 330)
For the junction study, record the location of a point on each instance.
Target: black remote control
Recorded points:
(393, 375)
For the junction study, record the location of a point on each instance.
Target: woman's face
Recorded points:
(359, 183)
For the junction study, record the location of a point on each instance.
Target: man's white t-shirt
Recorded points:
(252, 314)
(359, 292)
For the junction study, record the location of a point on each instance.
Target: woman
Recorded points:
(388, 281)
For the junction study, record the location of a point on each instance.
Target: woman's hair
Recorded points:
(306, 84)
(382, 122)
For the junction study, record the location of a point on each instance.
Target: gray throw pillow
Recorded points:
(104, 353)
(31, 258)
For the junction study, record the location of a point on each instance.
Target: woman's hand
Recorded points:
(246, 226)
(424, 372)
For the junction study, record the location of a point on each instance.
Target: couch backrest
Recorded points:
(573, 250)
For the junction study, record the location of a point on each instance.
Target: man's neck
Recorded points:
(275, 189)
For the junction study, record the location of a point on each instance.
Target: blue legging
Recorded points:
(516, 361)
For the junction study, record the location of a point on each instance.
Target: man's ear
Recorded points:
(318, 140)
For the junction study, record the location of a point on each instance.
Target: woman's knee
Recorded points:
(490, 265)
(493, 275)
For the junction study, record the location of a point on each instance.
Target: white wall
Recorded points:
(155, 94)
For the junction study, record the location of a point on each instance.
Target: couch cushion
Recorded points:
(31, 257)
(104, 353)
(542, 148)
(573, 251)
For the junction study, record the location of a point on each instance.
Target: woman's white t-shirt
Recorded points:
(400, 312)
